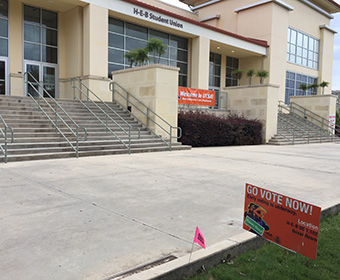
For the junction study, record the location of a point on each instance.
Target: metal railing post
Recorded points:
(129, 140)
(5, 144)
(170, 137)
(147, 117)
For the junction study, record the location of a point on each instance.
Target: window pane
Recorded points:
(49, 19)
(178, 55)
(160, 35)
(134, 44)
(32, 33)
(178, 42)
(293, 37)
(3, 8)
(114, 67)
(116, 56)
(182, 81)
(116, 26)
(49, 37)
(32, 51)
(31, 14)
(136, 31)
(116, 41)
(49, 54)
(3, 28)
(3, 47)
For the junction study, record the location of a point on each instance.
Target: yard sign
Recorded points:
(286, 221)
(191, 96)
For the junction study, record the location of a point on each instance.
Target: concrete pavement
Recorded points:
(94, 218)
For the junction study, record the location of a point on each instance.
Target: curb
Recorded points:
(215, 254)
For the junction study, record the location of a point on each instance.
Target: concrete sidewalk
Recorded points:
(94, 218)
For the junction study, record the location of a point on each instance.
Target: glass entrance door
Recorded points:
(3, 79)
(43, 74)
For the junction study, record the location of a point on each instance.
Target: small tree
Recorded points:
(314, 88)
(156, 47)
(304, 88)
(250, 75)
(141, 56)
(323, 85)
(131, 57)
(262, 74)
(237, 74)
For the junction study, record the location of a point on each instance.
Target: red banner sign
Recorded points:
(191, 96)
(286, 221)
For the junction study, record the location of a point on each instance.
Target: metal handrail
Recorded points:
(313, 116)
(4, 134)
(107, 116)
(305, 124)
(55, 111)
(149, 111)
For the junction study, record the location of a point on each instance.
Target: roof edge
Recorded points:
(258, 42)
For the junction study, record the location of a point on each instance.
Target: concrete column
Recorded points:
(326, 57)
(200, 63)
(95, 41)
(16, 44)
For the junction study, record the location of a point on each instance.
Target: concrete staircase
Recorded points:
(293, 129)
(35, 137)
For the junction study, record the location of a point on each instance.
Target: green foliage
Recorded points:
(156, 48)
(137, 57)
(250, 74)
(323, 85)
(131, 56)
(303, 87)
(201, 129)
(273, 262)
(237, 74)
(262, 74)
(314, 87)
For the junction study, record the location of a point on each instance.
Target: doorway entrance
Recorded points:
(43, 73)
(3, 77)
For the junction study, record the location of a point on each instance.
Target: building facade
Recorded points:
(58, 40)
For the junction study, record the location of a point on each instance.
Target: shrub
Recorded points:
(201, 129)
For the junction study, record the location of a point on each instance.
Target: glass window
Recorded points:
(49, 54)
(40, 35)
(178, 42)
(3, 47)
(31, 14)
(32, 33)
(134, 44)
(3, 28)
(160, 35)
(116, 41)
(231, 65)
(49, 37)
(32, 51)
(4, 8)
(116, 26)
(125, 36)
(215, 70)
(136, 31)
(116, 56)
(302, 49)
(49, 19)
(293, 83)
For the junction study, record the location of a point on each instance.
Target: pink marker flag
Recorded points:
(199, 239)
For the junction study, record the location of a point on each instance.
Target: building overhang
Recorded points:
(187, 27)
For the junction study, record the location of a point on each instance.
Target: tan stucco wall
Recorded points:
(71, 43)
(15, 53)
(95, 48)
(256, 102)
(200, 63)
(156, 86)
(322, 105)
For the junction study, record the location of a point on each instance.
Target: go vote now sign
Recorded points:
(283, 220)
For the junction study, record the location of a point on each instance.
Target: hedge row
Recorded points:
(201, 129)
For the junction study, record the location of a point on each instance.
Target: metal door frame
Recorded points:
(41, 73)
(5, 59)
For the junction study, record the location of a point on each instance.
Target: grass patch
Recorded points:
(274, 262)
